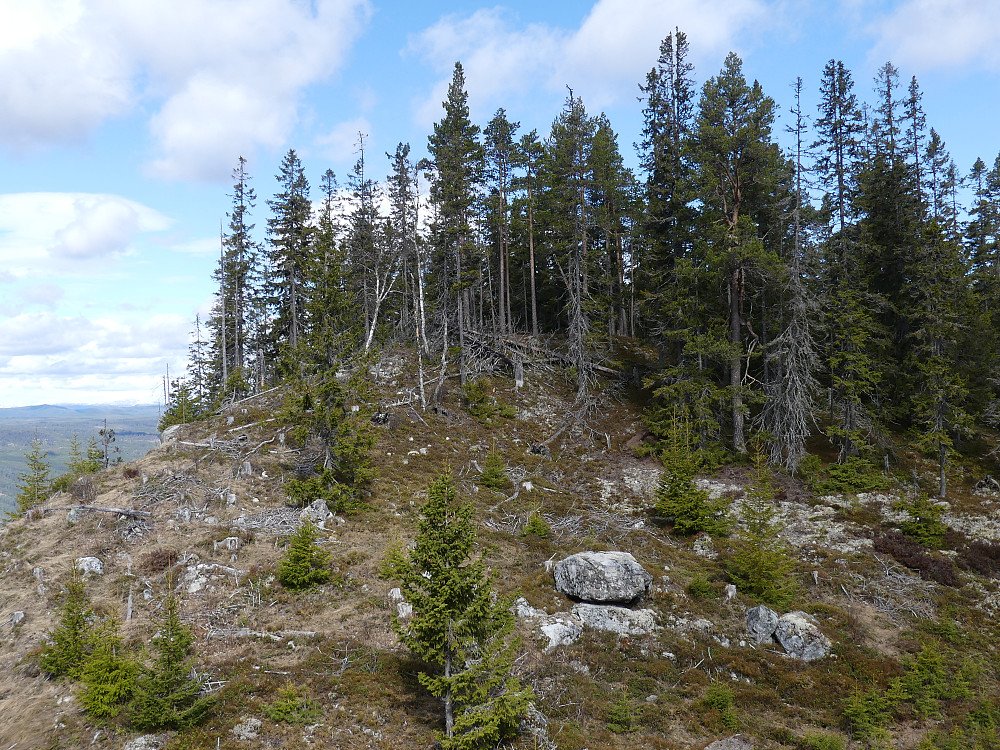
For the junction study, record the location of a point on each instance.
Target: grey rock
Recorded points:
(169, 435)
(145, 742)
(525, 611)
(248, 729)
(86, 566)
(602, 577)
(39, 574)
(17, 618)
(616, 619)
(705, 547)
(730, 590)
(800, 636)
(73, 515)
(316, 512)
(736, 742)
(761, 623)
(231, 543)
(561, 630)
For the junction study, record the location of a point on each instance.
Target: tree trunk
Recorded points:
(735, 367)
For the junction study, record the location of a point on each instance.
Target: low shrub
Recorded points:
(158, 560)
(924, 524)
(293, 708)
(980, 557)
(913, 555)
(537, 526)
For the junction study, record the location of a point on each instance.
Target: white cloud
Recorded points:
(221, 77)
(46, 295)
(341, 143)
(39, 228)
(927, 34)
(603, 59)
(47, 357)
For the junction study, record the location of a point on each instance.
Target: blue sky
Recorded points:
(120, 122)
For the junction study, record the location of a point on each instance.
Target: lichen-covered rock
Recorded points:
(87, 566)
(525, 611)
(561, 630)
(800, 636)
(736, 742)
(316, 512)
(146, 742)
(614, 619)
(602, 577)
(761, 623)
(248, 729)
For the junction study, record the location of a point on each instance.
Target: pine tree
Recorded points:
(166, 694)
(739, 168)
(32, 485)
(501, 157)
(69, 644)
(459, 627)
(108, 674)
(568, 178)
(456, 158)
(305, 563)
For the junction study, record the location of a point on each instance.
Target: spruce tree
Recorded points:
(759, 561)
(166, 695)
(305, 563)
(678, 500)
(33, 484)
(460, 628)
(108, 674)
(69, 644)
(290, 236)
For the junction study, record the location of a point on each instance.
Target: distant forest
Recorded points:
(841, 286)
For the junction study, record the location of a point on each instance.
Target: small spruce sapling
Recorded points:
(167, 694)
(108, 674)
(494, 472)
(71, 641)
(678, 500)
(305, 563)
(760, 563)
(33, 484)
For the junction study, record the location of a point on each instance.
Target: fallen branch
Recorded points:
(248, 633)
(119, 511)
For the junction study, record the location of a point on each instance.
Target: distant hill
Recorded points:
(134, 426)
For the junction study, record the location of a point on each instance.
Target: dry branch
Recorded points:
(119, 511)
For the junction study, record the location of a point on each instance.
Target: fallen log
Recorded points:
(119, 511)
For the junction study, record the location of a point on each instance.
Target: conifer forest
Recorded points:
(847, 285)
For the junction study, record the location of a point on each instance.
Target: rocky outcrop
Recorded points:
(602, 578)
(316, 512)
(799, 634)
(613, 619)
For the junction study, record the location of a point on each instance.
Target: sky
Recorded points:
(121, 122)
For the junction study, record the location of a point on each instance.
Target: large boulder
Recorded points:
(761, 623)
(616, 619)
(602, 578)
(799, 634)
